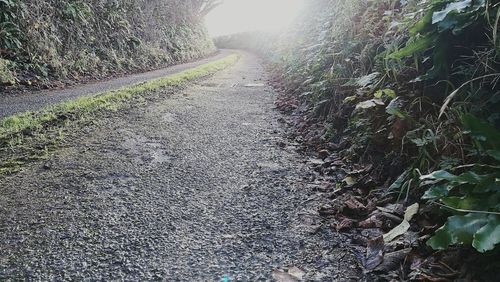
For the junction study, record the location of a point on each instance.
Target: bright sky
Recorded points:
(248, 15)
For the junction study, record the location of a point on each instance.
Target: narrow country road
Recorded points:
(21, 102)
(195, 186)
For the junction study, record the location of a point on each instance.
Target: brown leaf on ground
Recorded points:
(399, 128)
(323, 154)
(354, 207)
(374, 221)
(393, 260)
(344, 224)
(374, 253)
(354, 204)
(327, 210)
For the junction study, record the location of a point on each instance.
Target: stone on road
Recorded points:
(192, 186)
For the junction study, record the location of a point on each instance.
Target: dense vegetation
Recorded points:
(71, 39)
(410, 87)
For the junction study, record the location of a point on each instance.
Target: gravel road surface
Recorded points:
(195, 185)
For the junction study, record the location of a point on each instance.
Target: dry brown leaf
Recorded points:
(374, 253)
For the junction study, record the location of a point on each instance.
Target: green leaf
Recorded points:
(436, 192)
(458, 229)
(482, 131)
(423, 24)
(466, 177)
(451, 7)
(389, 92)
(419, 45)
(488, 236)
(472, 177)
(464, 227)
(494, 154)
(466, 203)
(367, 79)
(369, 104)
(399, 181)
(439, 175)
(441, 239)
(350, 99)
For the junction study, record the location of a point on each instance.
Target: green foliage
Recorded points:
(474, 193)
(482, 230)
(409, 86)
(9, 30)
(445, 22)
(6, 75)
(72, 39)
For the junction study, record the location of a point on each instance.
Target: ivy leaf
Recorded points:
(488, 236)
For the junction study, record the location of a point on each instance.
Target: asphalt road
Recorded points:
(22, 102)
(194, 185)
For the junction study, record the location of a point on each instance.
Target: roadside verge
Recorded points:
(31, 135)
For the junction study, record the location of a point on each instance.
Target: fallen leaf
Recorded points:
(346, 223)
(404, 226)
(371, 222)
(397, 231)
(369, 104)
(374, 253)
(411, 211)
(354, 204)
(393, 260)
(349, 180)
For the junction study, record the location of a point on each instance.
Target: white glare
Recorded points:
(235, 16)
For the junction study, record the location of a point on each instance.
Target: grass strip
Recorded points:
(15, 129)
